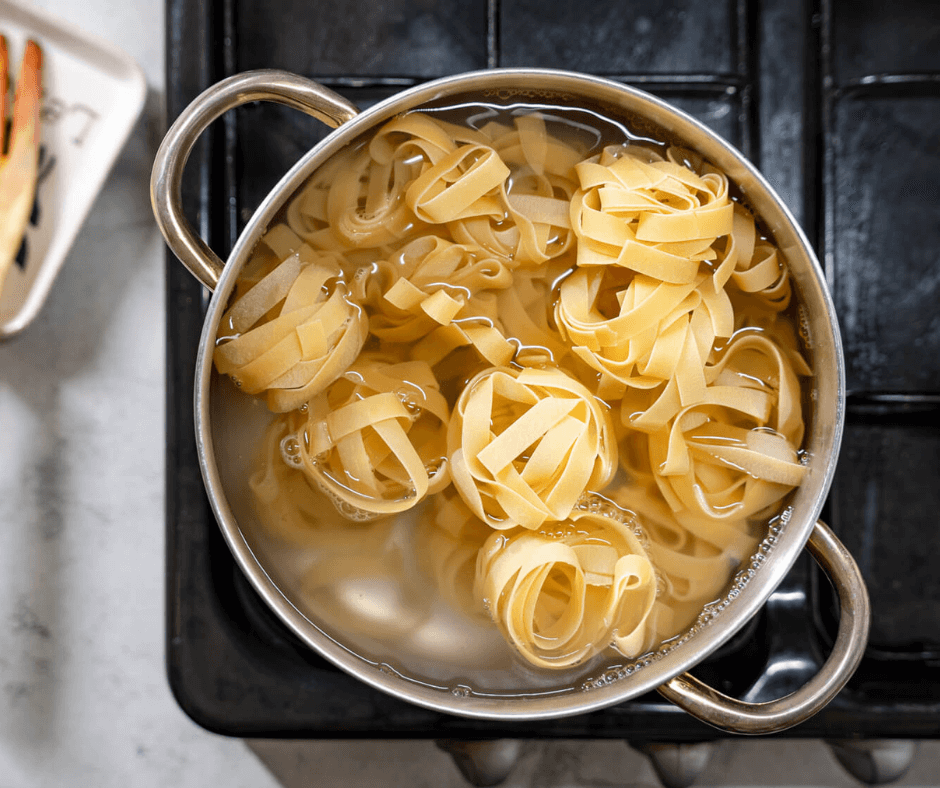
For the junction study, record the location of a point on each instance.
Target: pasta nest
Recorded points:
(562, 595)
(653, 216)
(375, 440)
(733, 453)
(525, 444)
(294, 332)
(658, 246)
(535, 226)
(503, 189)
(425, 285)
(286, 504)
(692, 571)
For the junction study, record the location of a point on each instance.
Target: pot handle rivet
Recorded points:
(280, 87)
(717, 709)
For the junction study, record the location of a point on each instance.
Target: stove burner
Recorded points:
(840, 107)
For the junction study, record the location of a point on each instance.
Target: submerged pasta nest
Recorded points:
(513, 325)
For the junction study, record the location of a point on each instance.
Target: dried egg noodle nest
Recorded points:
(427, 285)
(560, 597)
(375, 440)
(693, 570)
(660, 221)
(419, 171)
(289, 504)
(525, 444)
(732, 453)
(542, 289)
(312, 339)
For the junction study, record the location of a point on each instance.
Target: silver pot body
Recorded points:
(799, 526)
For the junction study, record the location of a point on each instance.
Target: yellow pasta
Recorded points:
(293, 355)
(474, 325)
(375, 439)
(560, 595)
(525, 444)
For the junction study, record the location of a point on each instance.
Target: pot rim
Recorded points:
(825, 430)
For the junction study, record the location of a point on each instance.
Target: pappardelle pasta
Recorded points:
(568, 357)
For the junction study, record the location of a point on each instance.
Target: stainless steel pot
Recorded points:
(801, 527)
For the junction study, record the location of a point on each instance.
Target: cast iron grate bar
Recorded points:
(746, 38)
(826, 203)
(866, 406)
(888, 86)
(893, 409)
(230, 130)
(492, 34)
(717, 82)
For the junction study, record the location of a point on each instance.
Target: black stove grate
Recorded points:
(838, 103)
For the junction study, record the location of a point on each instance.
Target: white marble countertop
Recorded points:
(83, 694)
(84, 698)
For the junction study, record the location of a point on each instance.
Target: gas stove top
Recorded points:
(837, 104)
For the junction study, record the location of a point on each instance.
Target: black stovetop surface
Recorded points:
(838, 104)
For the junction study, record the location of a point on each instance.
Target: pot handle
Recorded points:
(280, 87)
(711, 706)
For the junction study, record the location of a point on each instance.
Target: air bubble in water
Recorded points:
(460, 691)
(290, 452)
(407, 397)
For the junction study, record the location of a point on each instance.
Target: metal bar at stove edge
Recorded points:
(889, 404)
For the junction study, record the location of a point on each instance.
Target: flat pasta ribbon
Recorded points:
(476, 326)
(535, 224)
(734, 453)
(657, 218)
(524, 310)
(561, 595)
(293, 333)
(375, 441)
(425, 285)
(525, 444)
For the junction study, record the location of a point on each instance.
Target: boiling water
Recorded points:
(380, 600)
